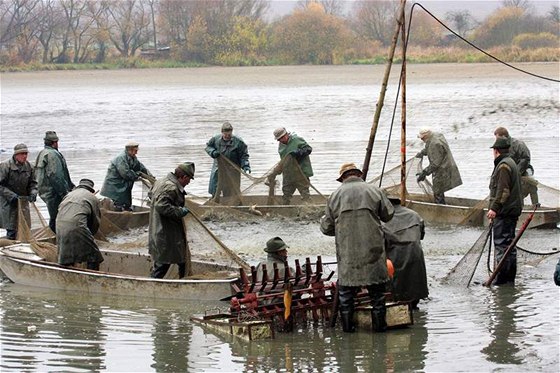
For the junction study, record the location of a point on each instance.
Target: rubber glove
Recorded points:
(184, 211)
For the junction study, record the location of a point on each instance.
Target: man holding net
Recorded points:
(505, 207)
(17, 184)
(442, 167)
(225, 177)
(295, 165)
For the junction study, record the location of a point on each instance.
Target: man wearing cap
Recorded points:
(277, 252)
(123, 171)
(403, 234)
(167, 241)
(442, 167)
(504, 208)
(76, 223)
(353, 215)
(17, 183)
(294, 165)
(225, 178)
(520, 153)
(53, 178)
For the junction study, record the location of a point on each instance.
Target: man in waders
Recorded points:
(353, 215)
(505, 207)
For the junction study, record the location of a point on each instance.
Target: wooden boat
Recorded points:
(121, 274)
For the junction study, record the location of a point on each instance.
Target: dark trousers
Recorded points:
(439, 198)
(504, 233)
(52, 206)
(376, 292)
(160, 270)
(11, 234)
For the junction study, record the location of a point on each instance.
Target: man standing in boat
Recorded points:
(225, 178)
(123, 171)
(295, 165)
(520, 153)
(403, 234)
(17, 185)
(505, 207)
(442, 167)
(77, 222)
(167, 241)
(53, 178)
(353, 215)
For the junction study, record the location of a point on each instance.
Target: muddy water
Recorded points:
(172, 113)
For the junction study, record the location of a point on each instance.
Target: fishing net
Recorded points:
(391, 181)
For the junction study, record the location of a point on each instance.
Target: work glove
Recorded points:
(184, 211)
(421, 176)
(215, 154)
(14, 198)
(32, 198)
(297, 154)
(419, 155)
(247, 169)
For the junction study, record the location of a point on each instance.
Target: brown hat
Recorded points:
(187, 168)
(50, 136)
(86, 184)
(20, 148)
(279, 132)
(227, 127)
(345, 168)
(501, 143)
(275, 245)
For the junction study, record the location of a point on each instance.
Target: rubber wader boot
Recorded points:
(347, 318)
(378, 321)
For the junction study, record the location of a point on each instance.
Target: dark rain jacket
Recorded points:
(235, 150)
(520, 153)
(121, 174)
(442, 167)
(353, 215)
(167, 242)
(15, 180)
(53, 178)
(76, 223)
(505, 188)
(403, 234)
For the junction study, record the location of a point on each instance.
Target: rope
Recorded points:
(476, 47)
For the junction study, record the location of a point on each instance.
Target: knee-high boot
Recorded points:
(346, 303)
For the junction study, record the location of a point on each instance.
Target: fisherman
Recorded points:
(167, 242)
(522, 157)
(77, 222)
(225, 179)
(123, 171)
(277, 252)
(442, 167)
(295, 165)
(557, 274)
(353, 215)
(505, 207)
(17, 182)
(403, 234)
(53, 178)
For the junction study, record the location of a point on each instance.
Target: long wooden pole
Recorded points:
(379, 106)
(403, 112)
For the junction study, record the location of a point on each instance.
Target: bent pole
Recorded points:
(379, 106)
(509, 248)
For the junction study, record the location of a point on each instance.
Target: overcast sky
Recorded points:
(478, 8)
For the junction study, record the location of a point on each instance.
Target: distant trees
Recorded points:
(236, 32)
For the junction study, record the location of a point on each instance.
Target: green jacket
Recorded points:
(442, 167)
(121, 174)
(76, 223)
(505, 188)
(52, 174)
(521, 155)
(295, 149)
(15, 180)
(235, 150)
(353, 215)
(167, 242)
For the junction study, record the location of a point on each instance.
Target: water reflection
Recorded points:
(171, 336)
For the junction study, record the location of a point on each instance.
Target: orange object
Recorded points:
(390, 268)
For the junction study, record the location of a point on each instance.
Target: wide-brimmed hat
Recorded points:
(275, 245)
(20, 148)
(279, 132)
(50, 136)
(424, 131)
(187, 168)
(86, 184)
(345, 168)
(227, 127)
(501, 143)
